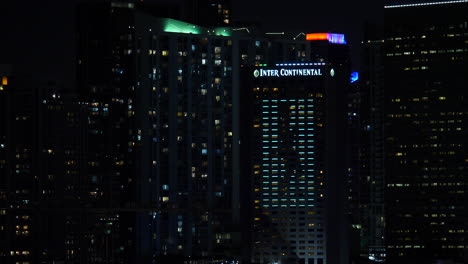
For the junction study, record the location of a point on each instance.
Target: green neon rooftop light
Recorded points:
(223, 31)
(176, 26)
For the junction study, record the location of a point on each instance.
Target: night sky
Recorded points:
(38, 36)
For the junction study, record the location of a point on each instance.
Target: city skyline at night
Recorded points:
(233, 132)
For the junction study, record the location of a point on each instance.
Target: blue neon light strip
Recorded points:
(301, 64)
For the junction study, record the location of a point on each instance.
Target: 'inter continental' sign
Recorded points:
(286, 72)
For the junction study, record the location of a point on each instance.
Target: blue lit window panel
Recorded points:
(336, 38)
(354, 77)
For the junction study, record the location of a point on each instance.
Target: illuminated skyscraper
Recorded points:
(288, 167)
(426, 130)
(296, 114)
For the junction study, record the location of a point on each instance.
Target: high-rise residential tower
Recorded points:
(162, 179)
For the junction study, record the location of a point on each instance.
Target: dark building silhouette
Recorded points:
(5, 74)
(367, 184)
(425, 132)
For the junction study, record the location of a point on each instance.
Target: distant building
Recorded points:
(39, 157)
(5, 75)
(207, 13)
(425, 132)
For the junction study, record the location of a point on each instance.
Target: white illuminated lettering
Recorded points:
(287, 72)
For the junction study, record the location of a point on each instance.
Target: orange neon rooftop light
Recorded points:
(317, 36)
